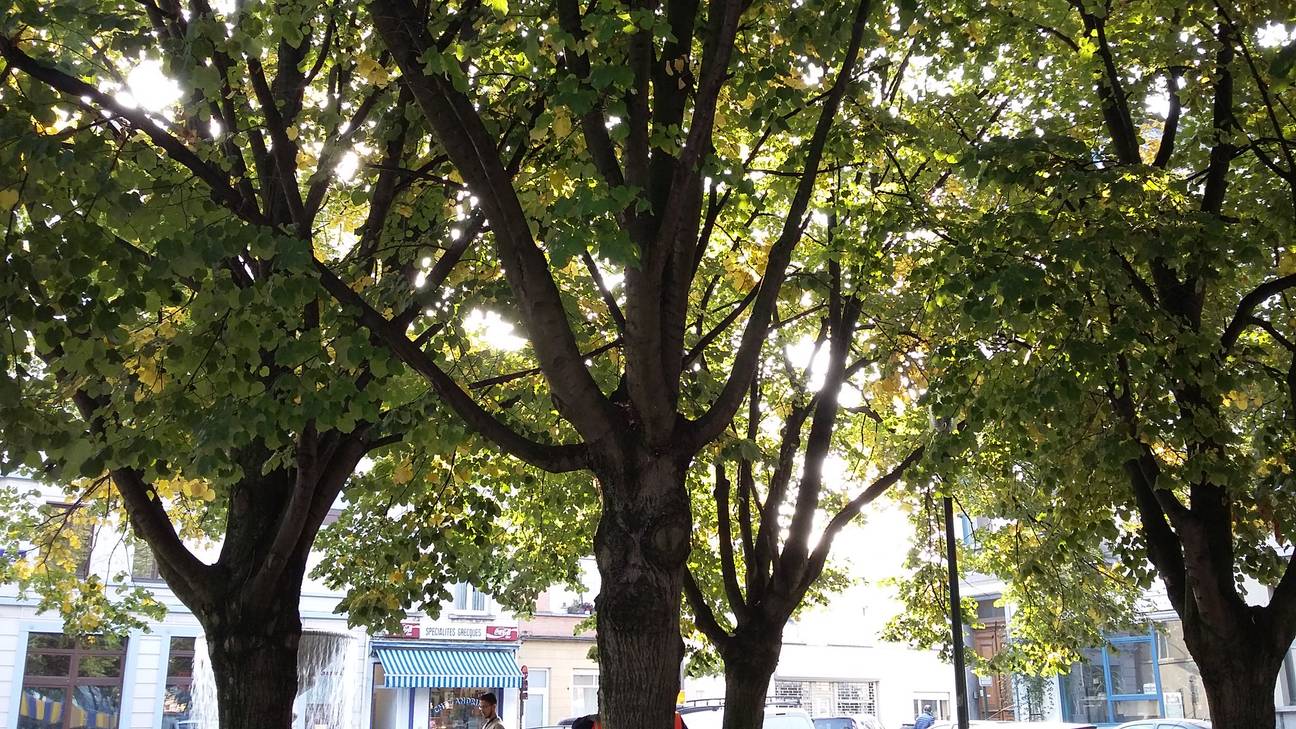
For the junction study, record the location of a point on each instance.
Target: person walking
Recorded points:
(925, 719)
(486, 704)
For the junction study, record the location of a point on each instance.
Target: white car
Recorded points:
(1166, 724)
(982, 724)
(776, 717)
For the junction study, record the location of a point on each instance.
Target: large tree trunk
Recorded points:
(1239, 679)
(641, 546)
(749, 661)
(254, 653)
(255, 667)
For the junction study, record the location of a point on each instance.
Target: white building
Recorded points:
(428, 677)
(834, 662)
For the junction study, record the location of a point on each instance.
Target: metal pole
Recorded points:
(956, 617)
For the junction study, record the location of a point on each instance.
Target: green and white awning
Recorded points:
(446, 667)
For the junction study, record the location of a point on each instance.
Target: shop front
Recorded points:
(1117, 683)
(435, 684)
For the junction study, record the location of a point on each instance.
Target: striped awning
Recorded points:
(444, 667)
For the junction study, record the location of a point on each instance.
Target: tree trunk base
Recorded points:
(256, 677)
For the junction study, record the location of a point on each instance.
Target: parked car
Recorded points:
(711, 716)
(1166, 724)
(982, 724)
(859, 721)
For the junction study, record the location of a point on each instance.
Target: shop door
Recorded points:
(994, 694)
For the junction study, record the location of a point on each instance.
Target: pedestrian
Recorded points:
(925, 719)
(486, 704)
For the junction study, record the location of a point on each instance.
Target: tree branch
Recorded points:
(713, 422)
(852, 509)
(549, 457)
(1247, 306)
(216, 180)
(459, 128)
(724, 524)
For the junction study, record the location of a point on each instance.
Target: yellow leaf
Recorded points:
(1286, 263)
(562, 125)
(403, 473)
(291, 133)
(8, 198)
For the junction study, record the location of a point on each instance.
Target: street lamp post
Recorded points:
(956, 617)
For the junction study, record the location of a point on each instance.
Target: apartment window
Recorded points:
(177, 702)
(855, 698)
(469, 598)
(938, 703)
(71, 683)
(144, 567)
(585, 686)
(535, 712)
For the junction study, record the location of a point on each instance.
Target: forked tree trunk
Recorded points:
(750, 662)
(641, 546)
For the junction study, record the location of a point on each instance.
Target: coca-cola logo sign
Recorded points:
(501, 632)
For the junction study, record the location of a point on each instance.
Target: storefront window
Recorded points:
(456, 708)
(69, 684)
(1133, 709)
(1114, 684)
(1132, 670)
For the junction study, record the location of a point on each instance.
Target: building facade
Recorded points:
(540, 666)
(1143, 674)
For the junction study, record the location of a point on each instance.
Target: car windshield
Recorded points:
(834, 723)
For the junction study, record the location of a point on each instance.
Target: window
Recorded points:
(1118, 683)
(69, 683)
(144, 566)
(177, 702)
(535, 711)
(456, 708)
(856, 698)
(938, 703)
(790, 693)
(469, 598)
(585, 686)
(832, 698)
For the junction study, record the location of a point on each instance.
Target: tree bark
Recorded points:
(254, 662)
(1239, 678)
(641, 546)
(750, 660)
(1241, 699)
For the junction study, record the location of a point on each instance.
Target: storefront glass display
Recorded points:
(456, 708)
(1120, 682)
